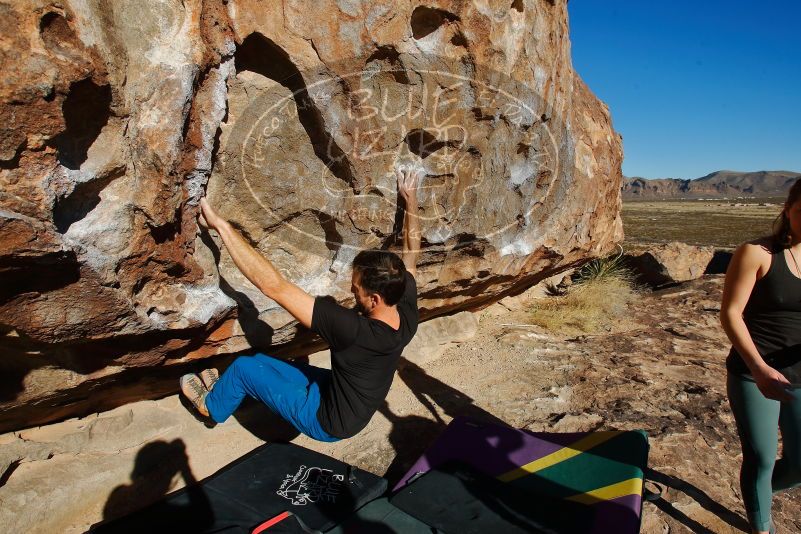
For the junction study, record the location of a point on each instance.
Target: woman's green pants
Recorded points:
(758, 422)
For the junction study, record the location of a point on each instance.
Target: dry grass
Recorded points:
(590, 305)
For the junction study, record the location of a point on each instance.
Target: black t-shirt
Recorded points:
(773, 318)
(364, 356)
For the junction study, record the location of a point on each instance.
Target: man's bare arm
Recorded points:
(407, 187)
(259, 270)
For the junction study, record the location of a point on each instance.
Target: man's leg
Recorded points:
(261, 377)
(288, 390)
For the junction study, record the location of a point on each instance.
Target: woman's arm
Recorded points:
(745, 267)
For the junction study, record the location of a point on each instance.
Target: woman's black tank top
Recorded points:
(773, 318)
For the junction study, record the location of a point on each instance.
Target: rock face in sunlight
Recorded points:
(292, 118)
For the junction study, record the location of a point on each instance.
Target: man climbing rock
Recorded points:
(365, 342)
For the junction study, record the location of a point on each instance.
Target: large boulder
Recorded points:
(671, 263)
(292, 116)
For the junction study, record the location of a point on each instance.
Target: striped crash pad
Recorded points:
(603, 470)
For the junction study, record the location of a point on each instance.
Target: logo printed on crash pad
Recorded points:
(311, 485)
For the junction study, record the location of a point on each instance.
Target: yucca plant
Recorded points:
(600, 269)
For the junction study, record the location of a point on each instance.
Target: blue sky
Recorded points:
(695, 86)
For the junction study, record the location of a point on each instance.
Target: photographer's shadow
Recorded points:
(155, 467)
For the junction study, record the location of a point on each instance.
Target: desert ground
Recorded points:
(719, 223)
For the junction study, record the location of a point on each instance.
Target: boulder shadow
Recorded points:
(411, 435)
(708, 503)
(257, 332)
(719, 262)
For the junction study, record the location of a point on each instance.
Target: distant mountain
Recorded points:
(720, 184)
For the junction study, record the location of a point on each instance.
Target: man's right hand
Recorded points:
(208, 217)
(408, 181)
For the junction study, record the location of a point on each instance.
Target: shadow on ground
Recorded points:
(698, 495)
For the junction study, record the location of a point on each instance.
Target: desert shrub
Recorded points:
(601, 293)
(598, 269)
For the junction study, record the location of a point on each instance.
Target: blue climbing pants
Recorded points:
(290, 390)
(758, 422)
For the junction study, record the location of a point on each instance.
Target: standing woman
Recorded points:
(761, 314)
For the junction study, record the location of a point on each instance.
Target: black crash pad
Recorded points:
(319, 490)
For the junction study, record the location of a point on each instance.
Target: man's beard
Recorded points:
(359, 308)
